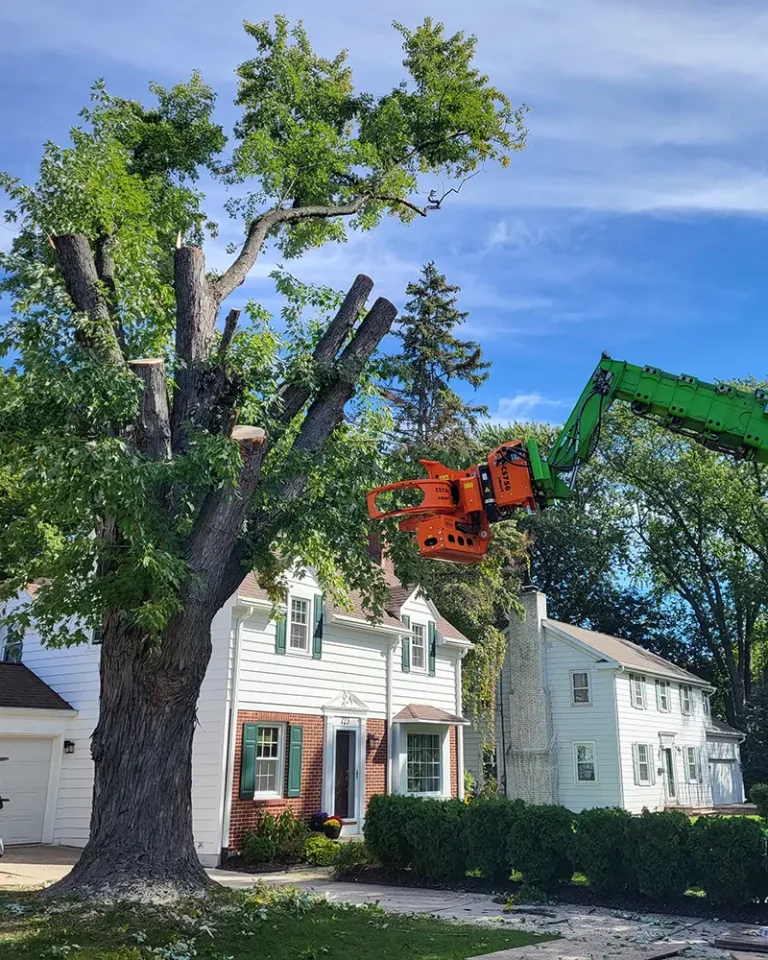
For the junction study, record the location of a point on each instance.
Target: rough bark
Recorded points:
(152, 432)
(141, 844)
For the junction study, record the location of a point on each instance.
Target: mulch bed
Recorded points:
(689, 906)
(238, 865)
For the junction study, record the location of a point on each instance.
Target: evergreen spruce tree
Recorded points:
(428, 411)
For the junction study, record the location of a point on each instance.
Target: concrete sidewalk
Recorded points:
(586, 933)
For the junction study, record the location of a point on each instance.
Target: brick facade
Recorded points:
(454, 745)
(245, 812)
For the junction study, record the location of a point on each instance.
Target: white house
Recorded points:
(314, 712)
(590, 720)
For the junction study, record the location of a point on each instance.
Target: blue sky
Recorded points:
(635, 221)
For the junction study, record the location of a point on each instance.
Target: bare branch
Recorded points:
(153, 427)
(260, 229)
(422, 211)
(230, 326)
(78, 269)
(436, 202)
(294, 396)
(105, 268)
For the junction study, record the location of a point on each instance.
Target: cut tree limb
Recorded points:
(78, 268)
(294, 396)
(153, 426)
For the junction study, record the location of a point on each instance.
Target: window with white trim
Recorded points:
(580, 688)
(686, 699)
(424, 762)
(585, 761)
(644, 760)
(419, 646)
(13, 643)
(298, 633)
(637, 690)
(270, 758)
(662, 696)
(692, 764)
(705, 704)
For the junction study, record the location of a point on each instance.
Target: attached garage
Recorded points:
(33, 721)
(725, 764)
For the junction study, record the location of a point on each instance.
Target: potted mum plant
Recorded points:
(317, 822)
(332, 828)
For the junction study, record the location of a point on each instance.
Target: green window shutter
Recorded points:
(294, 760)
(432, 647)
(280, 636)
(317, 635)
(248, 761)
(406, 642)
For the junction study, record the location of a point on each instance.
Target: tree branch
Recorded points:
(105, 269)
(260, 229)
(78, 269)
(294, 396)
(230, 326)
(153, 427)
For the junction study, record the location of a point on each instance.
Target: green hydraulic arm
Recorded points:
(719, 416)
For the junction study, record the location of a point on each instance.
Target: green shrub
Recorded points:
(539, 842)
(728, 855)
(658, 854)
(350, 856)
(758, 794)
(385, 830)
(488, 824)
(274, 839)
(321, 851)
(598, 848)
(435, 830)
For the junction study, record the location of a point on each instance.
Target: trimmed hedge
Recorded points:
(656, 855)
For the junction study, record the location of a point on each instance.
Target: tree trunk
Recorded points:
(141, 845)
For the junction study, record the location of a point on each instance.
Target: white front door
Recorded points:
(725, 786)
(24, 781)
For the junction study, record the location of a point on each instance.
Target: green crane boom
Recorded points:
(719, 416)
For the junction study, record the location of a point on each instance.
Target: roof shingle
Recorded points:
(19, 687)
(425, 713)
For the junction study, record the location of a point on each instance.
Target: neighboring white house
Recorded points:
(590, 720)
(314, 712)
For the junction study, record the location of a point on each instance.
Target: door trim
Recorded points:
(356, 724)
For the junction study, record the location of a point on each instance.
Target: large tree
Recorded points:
(164, 453)
(430, 362)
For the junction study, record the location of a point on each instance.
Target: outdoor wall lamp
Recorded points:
(371, 740)
(69, 746)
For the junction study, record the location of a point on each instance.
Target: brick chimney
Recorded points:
(528, 734)
(375, 549)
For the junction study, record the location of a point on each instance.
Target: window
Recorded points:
(585, 762)
(13, 643)
(269, 760)
(637, 690)
(705, 704)
(643, 758)
(580, 687)
(299, 633)
(419, 647)
(686, 701)
(662, 696)
(96, 636)
(692, 764)
(424, 762)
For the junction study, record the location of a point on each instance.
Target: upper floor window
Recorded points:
(298, 636)
(705, 704)
(13, 643)
(419, 647)
(585, 762)
(686, 699)
(692, 763)
(637, 690)
(662, 696)
(580, 687)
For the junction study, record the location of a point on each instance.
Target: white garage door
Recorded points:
(24, 780)
(725, 786)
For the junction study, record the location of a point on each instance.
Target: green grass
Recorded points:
(260, 924)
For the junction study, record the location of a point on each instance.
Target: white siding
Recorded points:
(678, 731)
(73, 673)
(417, 686)
(593, 722)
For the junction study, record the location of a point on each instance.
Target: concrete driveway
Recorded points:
(34, 866)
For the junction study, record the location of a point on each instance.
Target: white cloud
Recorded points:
(522, 406)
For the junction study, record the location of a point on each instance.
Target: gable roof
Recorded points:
(720, 728)
(19, 687)
(425, 713)
(250, 589)
(625, 652)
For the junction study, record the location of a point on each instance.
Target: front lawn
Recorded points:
(259, 924)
